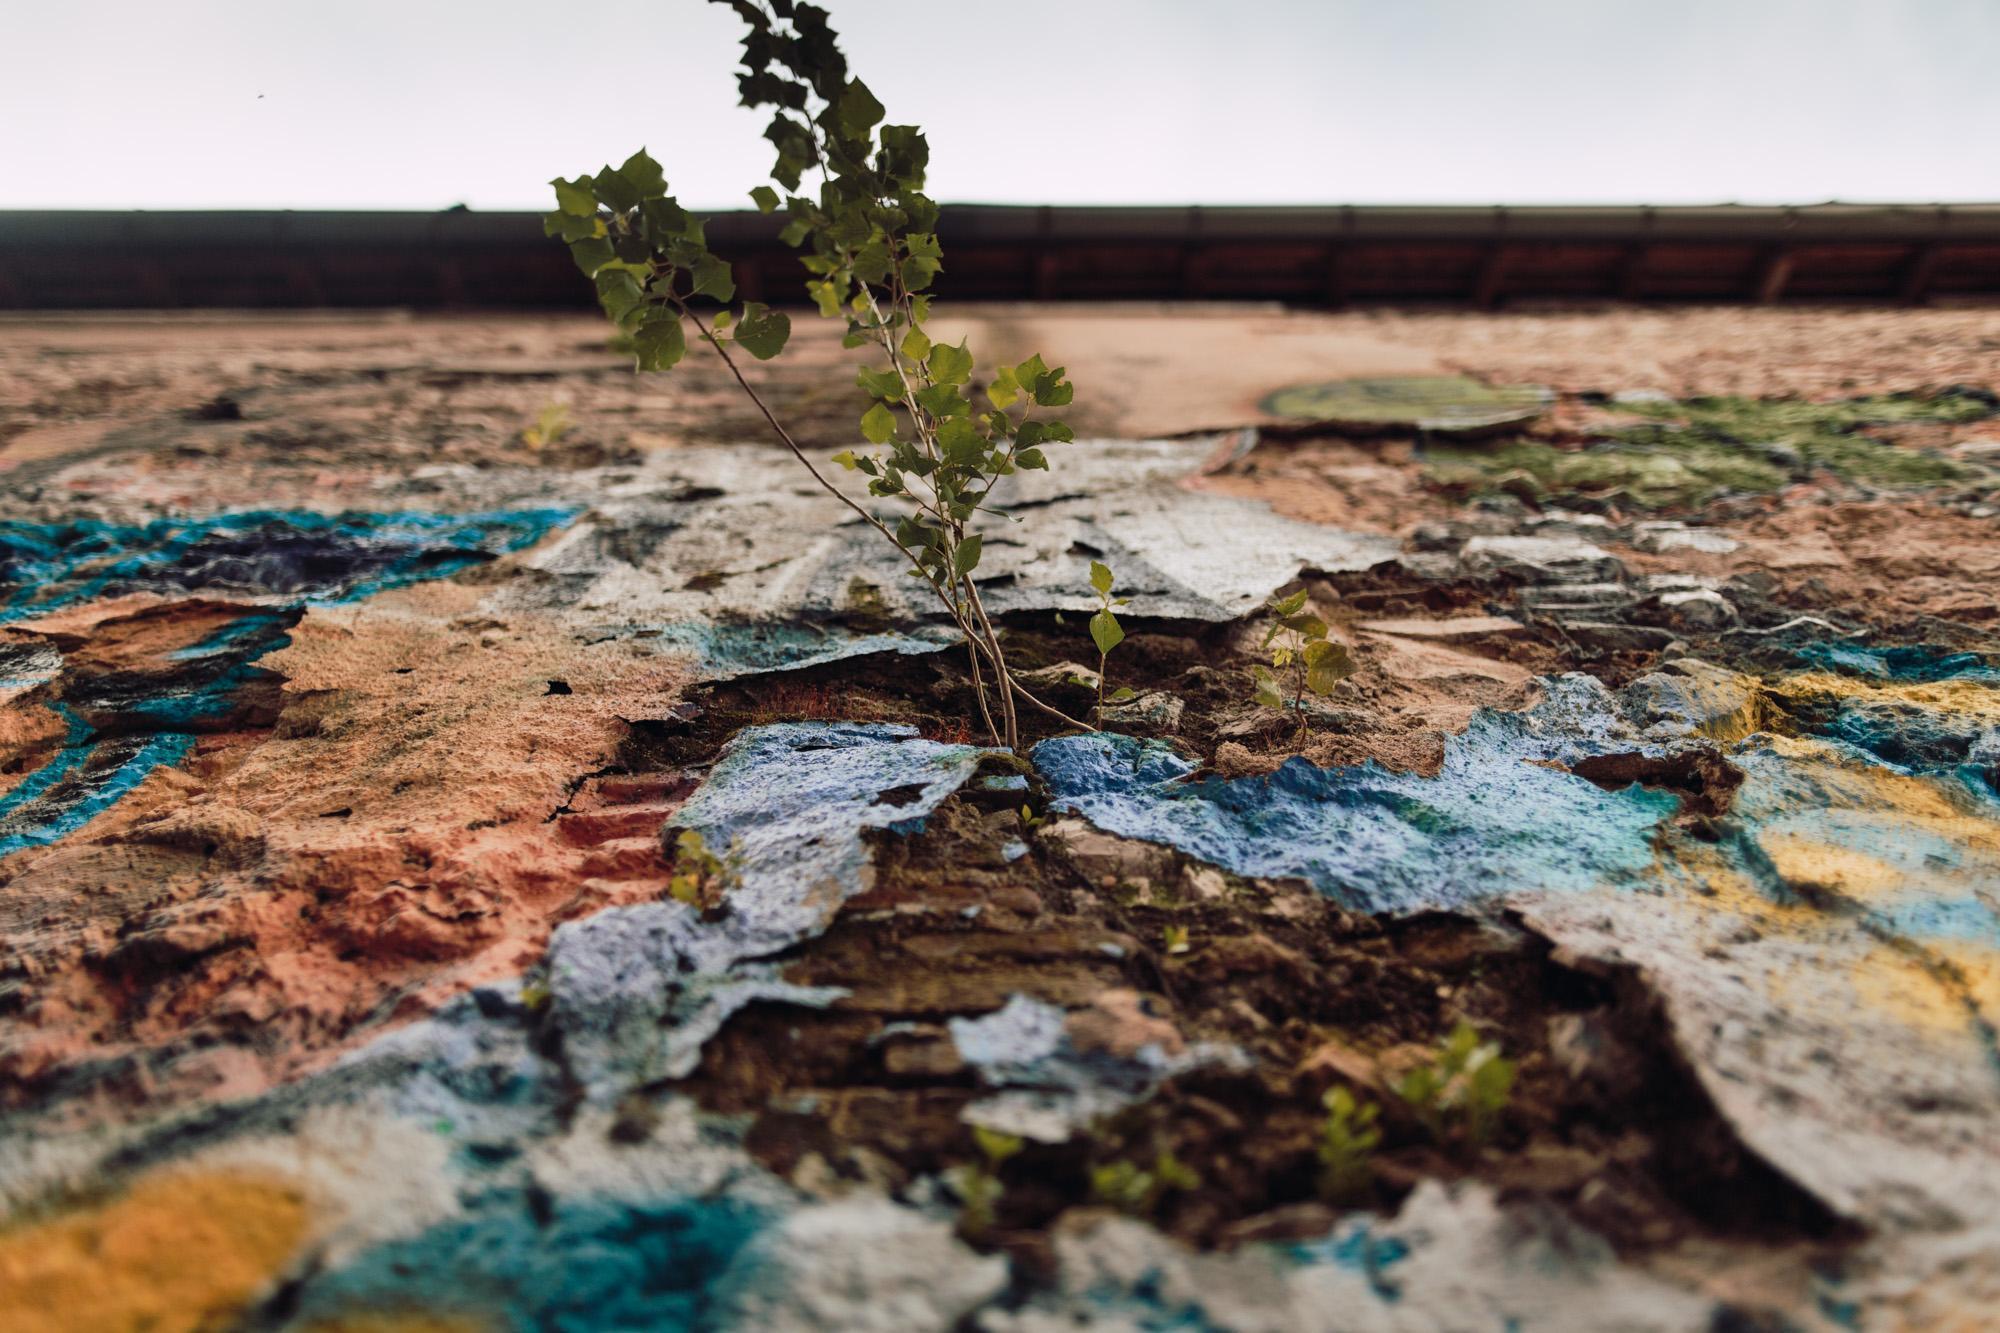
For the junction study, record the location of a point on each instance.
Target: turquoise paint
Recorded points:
(305, 558)
(1909, 663)
(80, 783)
(1358, 1247)
(297, 554)
(529, 1262)
(1934, 885)
(1491, 823)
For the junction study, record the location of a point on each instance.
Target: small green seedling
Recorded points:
(1176, 938)
(701, 879)
(1105, 632)
(1464, 1090)
(1348, 1138)
(1299, 647)
(551, 424)
(977, 1184)
(1131, 1189)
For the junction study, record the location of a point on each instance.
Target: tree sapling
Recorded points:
(1298, 646)
(870, 232)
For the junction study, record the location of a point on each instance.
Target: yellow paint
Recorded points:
(180, 1252)
(1966, 698)
(1806, 863)
(1894, 983)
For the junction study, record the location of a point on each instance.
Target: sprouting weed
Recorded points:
(1299, 647)
(701, 879)
(1031, 819)
(1105, 631)
(938, 444)
(1347, 1139)
(977, 1184)
(1132, 1189)
(1464, 1089)
(551, 424)
(1176, 939)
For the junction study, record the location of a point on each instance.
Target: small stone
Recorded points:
(1155, 710)
(1697, 609)
(1540, 559)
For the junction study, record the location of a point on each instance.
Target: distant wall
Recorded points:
(1328, 256)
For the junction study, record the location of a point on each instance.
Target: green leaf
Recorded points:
(943, 400)
(963, 445)
(620, 294)
(1327, 664)
(1005, 390)
(847, 459)
(569, 226)
(859, 111)
(591, 254)
(765, 198)
(761, 332)
(827, 296)
(1268, 693)
(713, 278)
(967, 557)
(659, 343)
(722, 320)
(878, 425)
(924, 262)
(905, 155)
(614, 191)
(665, 221)
(1100, 577)
(643, 174)
(950, 365)
(574, 197)
(795, 231)
(1031, 458)
(880, 383)
(1050, 390)
(1106, 632)
(1289, 606)
(1122, 694)
(1305, 626)
(916, 345)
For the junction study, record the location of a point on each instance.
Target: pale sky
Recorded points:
(427, 103)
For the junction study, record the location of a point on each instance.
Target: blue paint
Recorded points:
(1493, 822)
(534, 1263)
(303, 556)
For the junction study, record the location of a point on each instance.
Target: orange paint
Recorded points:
(179, 1251)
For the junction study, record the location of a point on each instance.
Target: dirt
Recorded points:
(1605, 1119)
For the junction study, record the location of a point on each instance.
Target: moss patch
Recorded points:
(1703, 448)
